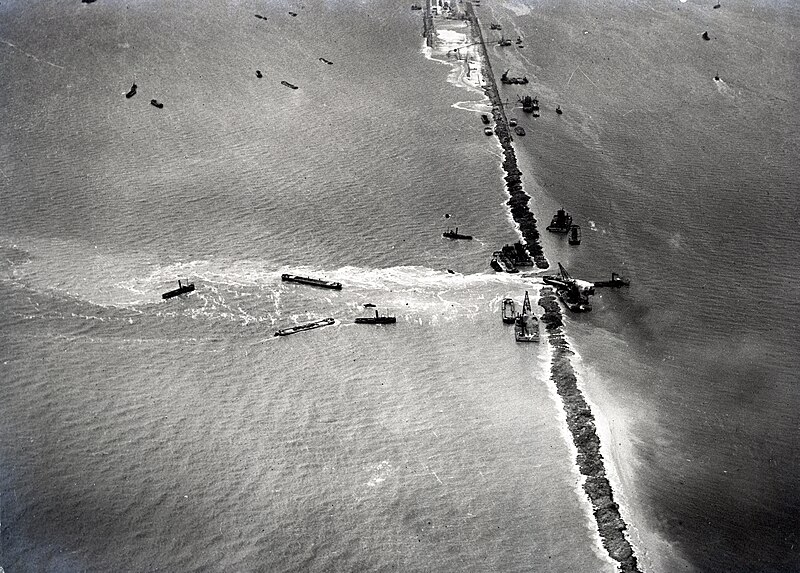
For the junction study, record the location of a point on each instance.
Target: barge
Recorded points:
(286, 277)
(526, 325)
(501, 263)
(302, 327)
(508, 311)
(183, 288)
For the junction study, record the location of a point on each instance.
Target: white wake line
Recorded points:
(7, 43)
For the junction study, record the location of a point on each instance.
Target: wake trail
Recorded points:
(39, 60)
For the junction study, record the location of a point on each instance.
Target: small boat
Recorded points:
(377, 319)
(416, 7)
(716, 78)
(330, 63)
(495, 26)
(558, 110)
(451, 234)
(488, 130)
(156, 103)
(485, 119)
(292, 14)
(575, 235)
(512, 122)
(286, 277)
(561, 222)
(131, 92)
(288, 85)
(502, 264)
(260, 17)
(519, 39)
(369, 305)
(87, 1)
(183, 288)
(503, 42)
(302, 327)
(716, 6)
(519, 130)
(259, 74)
(508, 311)
(705, 36)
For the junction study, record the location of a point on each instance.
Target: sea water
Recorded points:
(181, 435)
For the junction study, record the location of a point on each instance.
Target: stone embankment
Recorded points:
(518, 199)
(581, 425)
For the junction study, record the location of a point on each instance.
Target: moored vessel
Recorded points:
(561, 223)
(526, 325)
(501, 263)
(509, 311)
(311, 281)
(575, 235)
(306, 326)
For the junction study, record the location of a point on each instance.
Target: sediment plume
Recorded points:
(581, 425)
(518, 199)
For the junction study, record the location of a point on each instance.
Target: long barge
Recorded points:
(302, 327)
(377, 319)
(311, 281)
(183, 288)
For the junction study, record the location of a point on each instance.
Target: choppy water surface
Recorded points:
(143, 434)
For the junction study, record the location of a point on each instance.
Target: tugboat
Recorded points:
(615, 282)
(558, 110)
(302, 327)
(502, 264)
(131, 92)
(451, 234)
(311, 281)
(508, 311)
(526, 325)
(705, 36)
(156, 103)
(561, 223)
(377, 319)
(575, 235)
(183, 288)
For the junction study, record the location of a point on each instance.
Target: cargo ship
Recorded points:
(508, 311)
(526, 325)
(561, 223)
(451, 234)
(311, 281)
(502, 263)
(183, 288)
(302, 327)
(377, 319)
